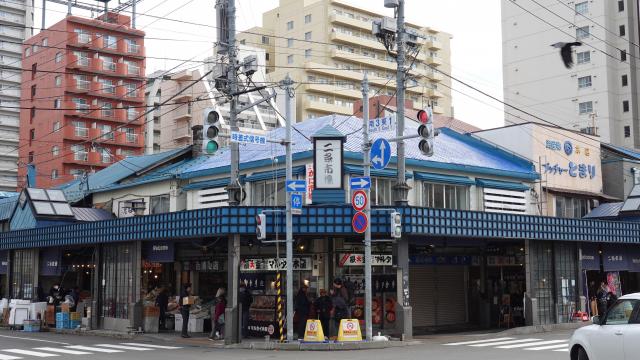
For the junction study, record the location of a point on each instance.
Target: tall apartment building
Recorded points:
(326, 45)
(82, 79)
(16, 20)
(599, 95)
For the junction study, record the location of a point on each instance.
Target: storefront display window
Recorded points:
(442, 196)
(117, 280)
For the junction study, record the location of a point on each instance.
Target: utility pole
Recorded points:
(287, 84)
(366, 147)
(401, 187)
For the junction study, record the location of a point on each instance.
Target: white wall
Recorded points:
(177, 198)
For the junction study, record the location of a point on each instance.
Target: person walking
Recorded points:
(217, 328)
(301, 307)
(245, 299)
(340, 309)
(162, 302)
(323, 306)
(603, 297)
(185, 309)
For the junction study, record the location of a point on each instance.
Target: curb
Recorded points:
(331, 346)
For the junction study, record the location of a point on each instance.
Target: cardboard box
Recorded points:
(189, 300)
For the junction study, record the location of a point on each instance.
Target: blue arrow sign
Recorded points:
(296, 204)
(380, 154)
(296, 186)
(360, 183)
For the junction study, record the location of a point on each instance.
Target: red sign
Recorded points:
(360, 222)
(359, 200)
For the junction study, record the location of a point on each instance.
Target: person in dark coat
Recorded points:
(323, 306)
(185, 309)
(162, 302)
(302, 307)
(75, 294)
(340, 308)
(603, 296)
(245, 300)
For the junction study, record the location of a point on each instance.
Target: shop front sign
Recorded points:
(571, 167)
(328, 163)
(202, 266)
(4, 262)
(50, 262)
(442, 260)
(310, 182)
(590, 258)
(253, 281)
(159, 251)
(349, 259)
(634, 259)
(273, 264)
(615, 258)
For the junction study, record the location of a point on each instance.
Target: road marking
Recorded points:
(94, 349)
(550, 347)
(505, 342)
(8, 357)
(30, 339)
(153, 346)
(63, 351)
(549, 342)
(29, 352)
(122, 347)
(562, 350)
(477, 341)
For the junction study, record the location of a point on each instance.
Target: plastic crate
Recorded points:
(62, 316)
(31, 326)
(62, 324)
(75, 316)
(74, 324)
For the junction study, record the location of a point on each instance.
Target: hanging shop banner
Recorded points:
(441, 260)
(590, 258)
(349, 259)
(634, 258)
(328, 163)
(159, 251)
(4, 262)
(253, 281)
(310, 177)
(615, 258)
(273, 264)
(50, 262)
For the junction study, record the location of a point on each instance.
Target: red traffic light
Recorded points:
(423, 116)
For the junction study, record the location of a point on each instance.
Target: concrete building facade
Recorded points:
(82, 98)
(326, 45)
(599, 94)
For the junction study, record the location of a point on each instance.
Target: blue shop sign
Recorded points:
(159, 251)
(51, 262)
(4, 261)
(615, 258)
(439, 260)
(590, 258)
(634, 258)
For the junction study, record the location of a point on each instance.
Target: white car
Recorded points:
(614, 336)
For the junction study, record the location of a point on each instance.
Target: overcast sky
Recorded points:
(475, 26)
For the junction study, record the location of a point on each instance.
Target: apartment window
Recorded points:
(290, 25)
(107, 109)
(83, 36)
(289, 42)
(290, 59)
(58, 80)
(35, 48)
(443, 196)
(45, 42)
(585, 107)
(105, 131)
(56, 126)
(32, 114)
(81, 105)
(623, 55)
(82, 58)
(621, 6)
(80, 129)
(108, 63)
(108, 86)
(132, 90)
(30, 158)
(132, 46)
(265, 40)
(307, 53)
(584, 82)
(54, 174)
(55, 150)
(33, 91)
(627, 131)
(159, 204)
(623, 31)
(77, 173)
(625, 80)
(571, 207)
(132, 68)
(34, 70)
(110, 42)
(625, 106)
(105, 154)
(307, 36)
(82, 81)
(27, 52)
(58, 57)
(57, 103)
(266, 56)
(79, 152)
(582, 7)
(131, 113)
(582, 32)
(584, 57)
(307, 19)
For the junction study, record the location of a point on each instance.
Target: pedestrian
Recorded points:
(340, 309)
(245, 300)
(185, 309)
(217, 331)
(323, 307)
(162, 302)
(341, 290)
(301, 306)
(603, 297)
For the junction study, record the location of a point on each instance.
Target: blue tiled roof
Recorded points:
(606, 210)
(632, 154)
(6, 207)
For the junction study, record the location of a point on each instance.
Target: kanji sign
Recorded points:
(328, 163)
(359, 200)
(359, 222)
(238, 137)
(382, 124)
(296, 204)
(349, 259)
(273, 264)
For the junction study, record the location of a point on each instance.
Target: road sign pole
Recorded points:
(368, 296)
(289, 173)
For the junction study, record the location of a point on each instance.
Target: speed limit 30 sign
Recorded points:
(359, 200)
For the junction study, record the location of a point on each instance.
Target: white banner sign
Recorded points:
(328, 164)
(273, 264)
(310, 182)
(358, 260)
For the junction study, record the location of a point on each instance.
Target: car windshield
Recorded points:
(621, 312)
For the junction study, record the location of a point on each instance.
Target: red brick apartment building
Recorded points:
(82, 80)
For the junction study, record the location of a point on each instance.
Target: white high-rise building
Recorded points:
(16, 22)
(599, 95)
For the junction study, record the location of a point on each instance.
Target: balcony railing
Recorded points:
(82, 108)
(81, 156)
(84, 38)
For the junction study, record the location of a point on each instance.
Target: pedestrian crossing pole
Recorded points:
(279, 305)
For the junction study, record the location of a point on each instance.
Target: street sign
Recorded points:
(238, 137)
(382, 124)
(296, 204)
(360, 222)
(380, 154)
(360, 183)
(296, 186)
(359, 200)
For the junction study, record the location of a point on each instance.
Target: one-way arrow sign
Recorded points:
(296, 186)
(360, 183)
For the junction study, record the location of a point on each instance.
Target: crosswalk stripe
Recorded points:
(477, 341)
(550, 347)
(505, 342)
(29, 352)
(153, 346)
(63, 351)
(538, 343)
(562, 350)
(93, 349)
(8, 357)
(123, 347)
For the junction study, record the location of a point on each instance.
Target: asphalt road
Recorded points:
(33, 346)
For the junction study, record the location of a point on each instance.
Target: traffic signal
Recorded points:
(396, 225)
(210, 131)
(261, 226)
(425, 130)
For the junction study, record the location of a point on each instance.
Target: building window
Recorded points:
(159, 204)
(571, 207)
(265, 40)
(625, 80)
(582, 8)
(584, 57)
(110, 42)
(290, 25)
(131, 136)
(307, 53)
(623, 31)
(307, 36)
(79, 152)
(266, 56)
(82, 58)
(58, 57)
(307, 19)
(132, 67)
(584, 82)
(55, 150)
(57, 103)
(623, 55)
(54, 174)
(131, 90)
(27, 52)
(107, 86)
(582, 32)
(81, 105)
(34, 71)
(268, 193)
(77, 173)
(56, 126)
(290, 59)
(443, 196)
(80, 130)
(32, 134)
(32, 114)
(105, 155)
(108, 63)
(83, 36)
(289, 42)
(621, 5)
(33, 91)
(627, 131)
(132, 46)
(105, 131)
(30, 158)
(625, 106)
(58, 80)
(45, 42)
(132, 113)
(107, 109)
(381, 191)
(82, 81)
